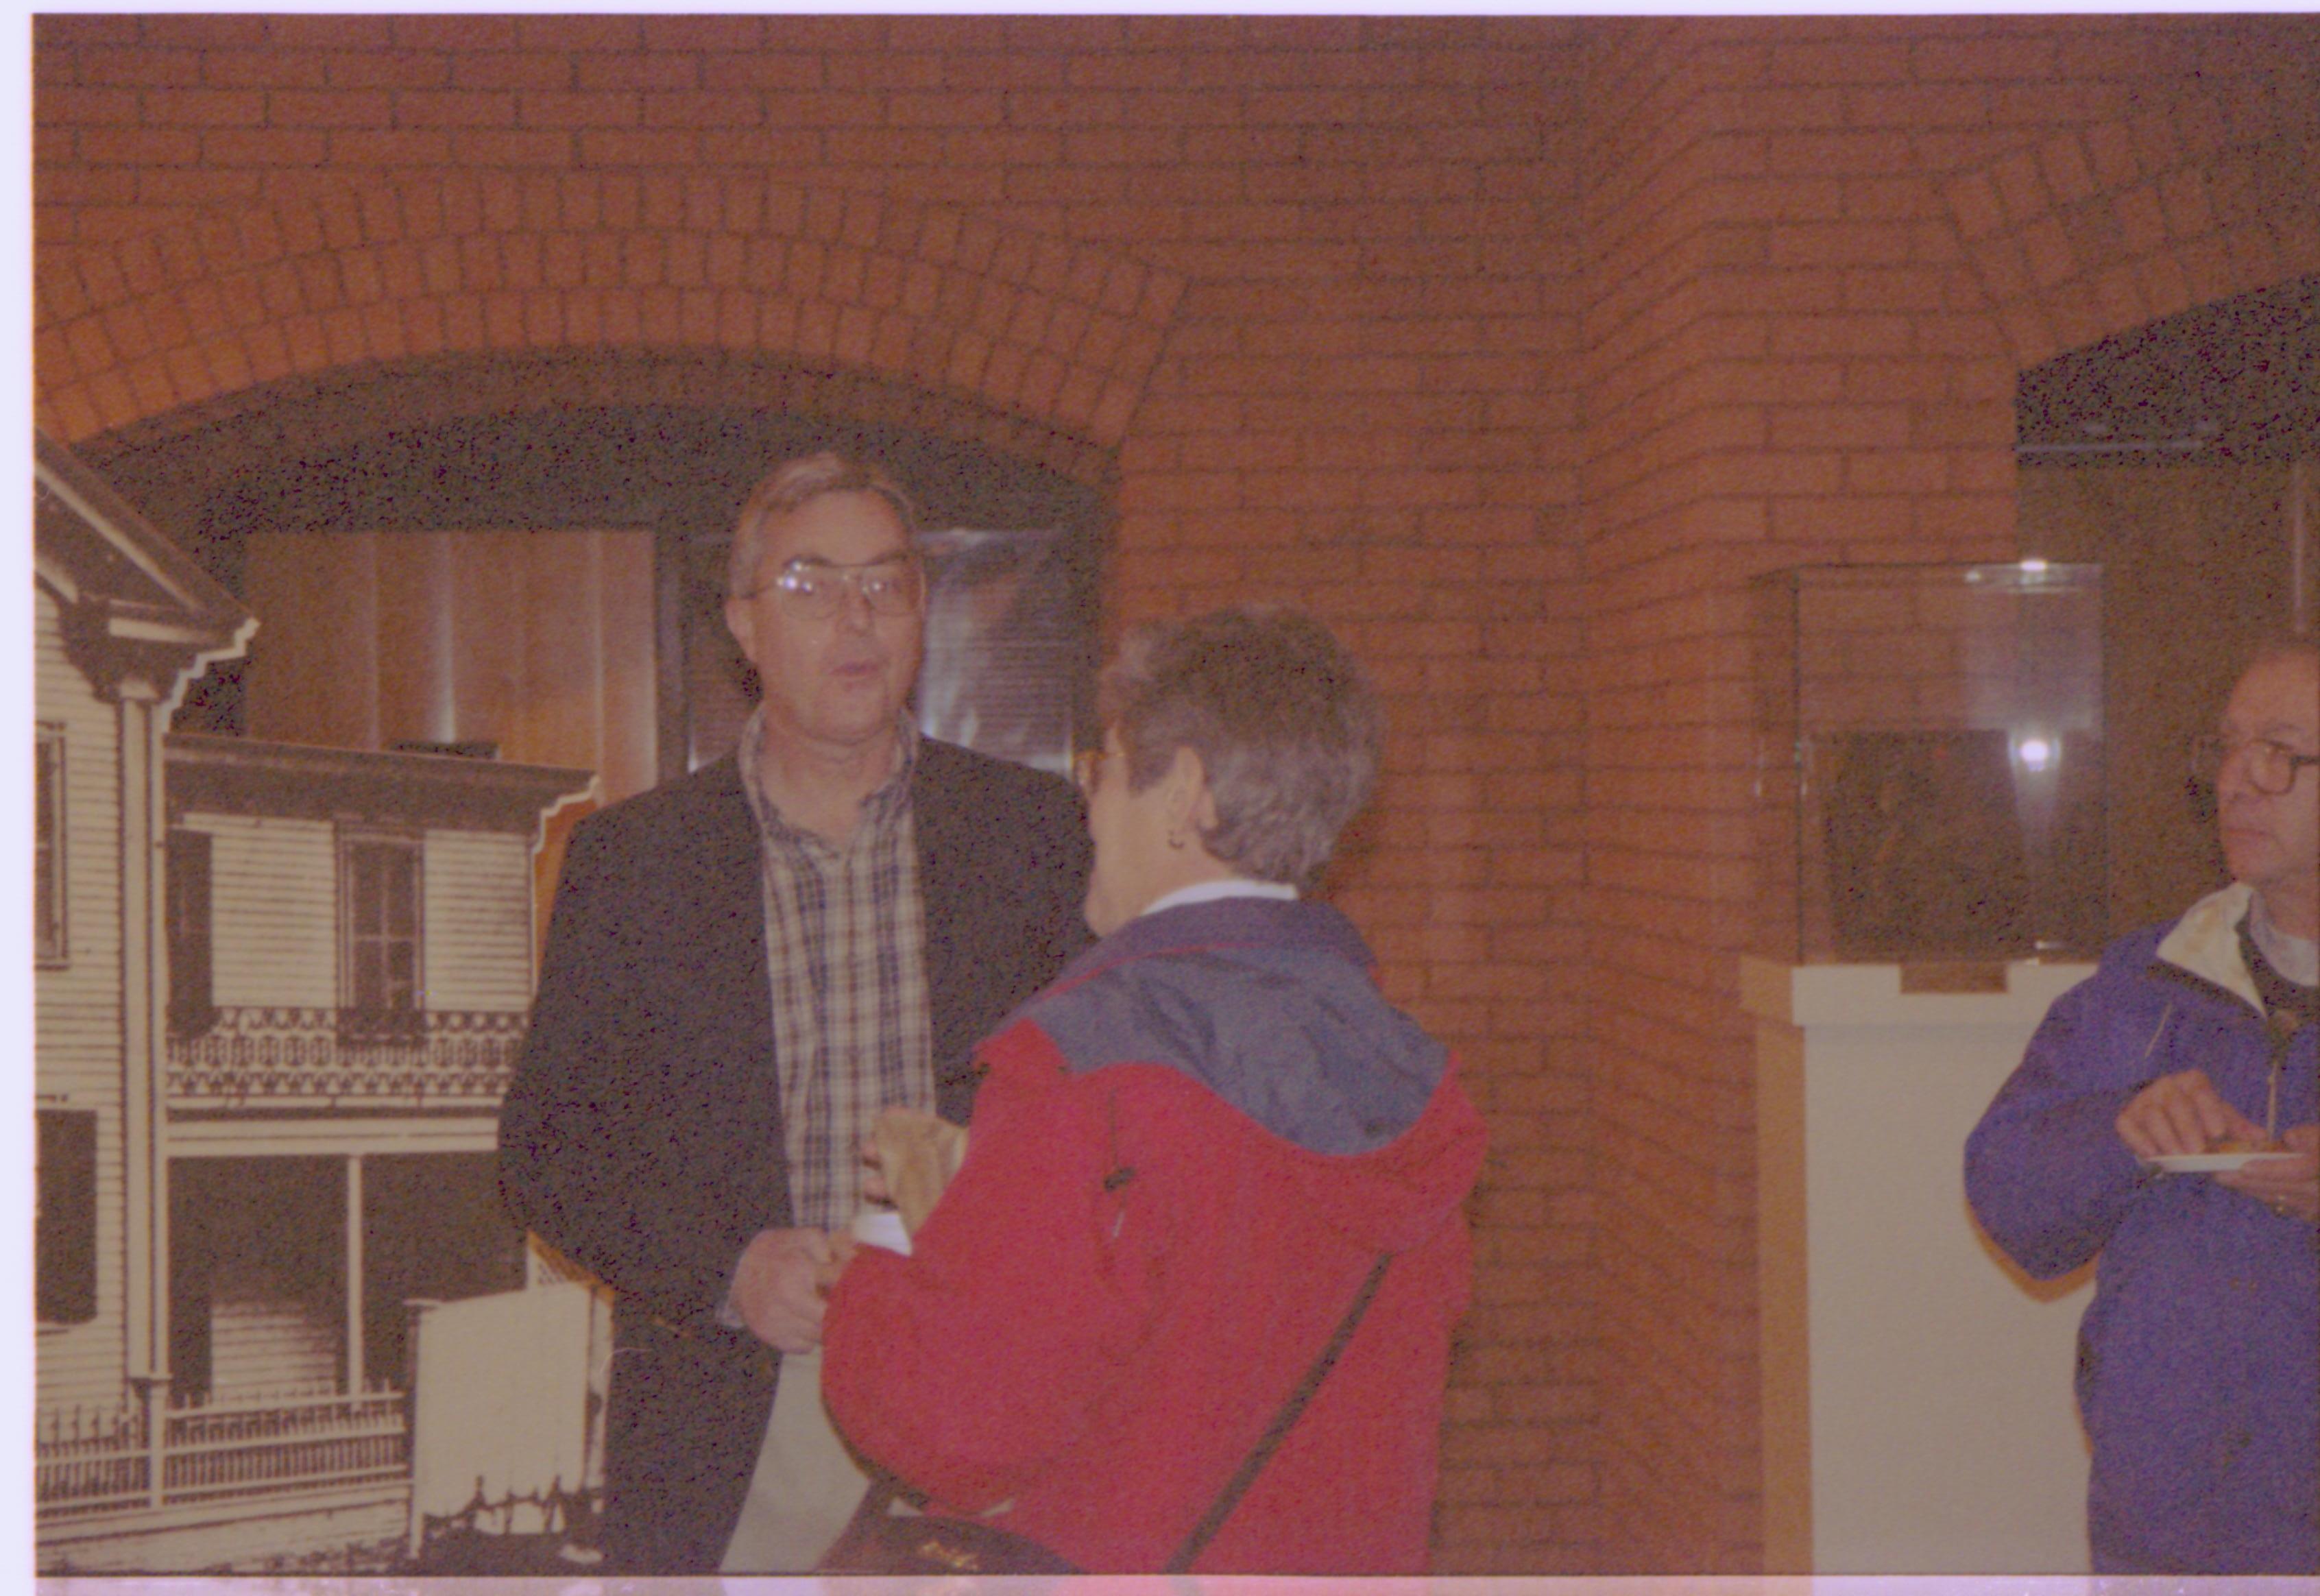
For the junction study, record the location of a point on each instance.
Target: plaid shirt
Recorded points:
(846, 938)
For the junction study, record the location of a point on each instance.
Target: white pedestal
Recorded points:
(1919, 1416)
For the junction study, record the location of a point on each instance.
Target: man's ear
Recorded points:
(1191, 804)
(743, 624)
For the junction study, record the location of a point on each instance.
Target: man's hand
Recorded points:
(2180, 1114)
(776, 1288)
(842, 1248)
(2290, 1187)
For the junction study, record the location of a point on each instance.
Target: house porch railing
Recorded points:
(90, 1462)
(244, 1057)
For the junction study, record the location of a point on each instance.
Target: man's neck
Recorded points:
(820, 787)
(2287, 946)
(2290, 914)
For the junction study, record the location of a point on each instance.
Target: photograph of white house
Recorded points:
(279, 992)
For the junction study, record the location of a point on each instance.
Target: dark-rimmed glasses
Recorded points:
(2271, 767)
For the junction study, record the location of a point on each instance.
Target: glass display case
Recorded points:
(1929, 773)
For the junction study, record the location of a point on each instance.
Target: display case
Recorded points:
(1930, 765)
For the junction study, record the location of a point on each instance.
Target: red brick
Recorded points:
(56, 33)
(266, 148)
(112, 107)
(596, 109)
(1806, 154)
(290, 34)
(387, 69)
(195, 108)
(577, 33)
(603, 148)
(2048, 250)
(661, 71)
(287, 108)
(2141, 220)
(385, 148)
(2183, 199)
(765, 70)
(713, 33)
(186, 30)
(2030, 57)
(1848, 60)
(534, 71)
(703, 109)
(454, 108)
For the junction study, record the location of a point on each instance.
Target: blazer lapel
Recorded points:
(719, 846)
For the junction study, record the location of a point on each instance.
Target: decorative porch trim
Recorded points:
(252, 1057)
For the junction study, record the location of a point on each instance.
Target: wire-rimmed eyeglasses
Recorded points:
(2271, 767)
(816, 589)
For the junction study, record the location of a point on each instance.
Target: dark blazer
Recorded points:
(642, 1135)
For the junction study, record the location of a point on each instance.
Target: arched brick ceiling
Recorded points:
(938, 301)
(2103, 229)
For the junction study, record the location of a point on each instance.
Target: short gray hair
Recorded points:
(791, 485)
(1281, 715)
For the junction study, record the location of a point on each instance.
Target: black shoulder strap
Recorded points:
(1221, 1509)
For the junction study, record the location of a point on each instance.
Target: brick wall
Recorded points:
(1817, 252)
(1513, 346)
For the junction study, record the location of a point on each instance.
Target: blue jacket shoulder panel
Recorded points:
(1269, 1005)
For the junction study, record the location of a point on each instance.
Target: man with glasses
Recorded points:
(2165, 1118)
(744, 968)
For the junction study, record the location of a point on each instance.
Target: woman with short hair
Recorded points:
(1193, 1155)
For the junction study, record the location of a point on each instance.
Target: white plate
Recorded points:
(2206, 1162)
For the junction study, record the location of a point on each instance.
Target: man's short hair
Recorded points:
(791, 485)
(1284, 723)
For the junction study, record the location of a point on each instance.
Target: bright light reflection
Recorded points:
(2033, 565)
(2035, 753)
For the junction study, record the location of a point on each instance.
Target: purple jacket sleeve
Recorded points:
(2045, 1170)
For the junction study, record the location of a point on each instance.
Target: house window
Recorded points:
(380, 883)
(64, 1217)
(49, 944)
(187, 899)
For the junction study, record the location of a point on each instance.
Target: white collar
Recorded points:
(2206, 941)
(1208, 892)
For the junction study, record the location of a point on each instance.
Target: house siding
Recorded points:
(265, 1341)
(76, 1007)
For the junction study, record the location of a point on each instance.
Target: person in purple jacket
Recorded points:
(2198, 1374)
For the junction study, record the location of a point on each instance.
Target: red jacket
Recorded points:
(1186, 1157)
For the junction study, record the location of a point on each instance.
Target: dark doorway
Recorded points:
(433, 1228)
(2169, 456)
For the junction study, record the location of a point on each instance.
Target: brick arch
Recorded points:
(2125, 221)
(930, 298)
(174, 462)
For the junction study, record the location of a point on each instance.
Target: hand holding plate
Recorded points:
(2289, 1186)
(2181, 1113)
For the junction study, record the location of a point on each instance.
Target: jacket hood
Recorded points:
(1271, 1006)
(2205, 943)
